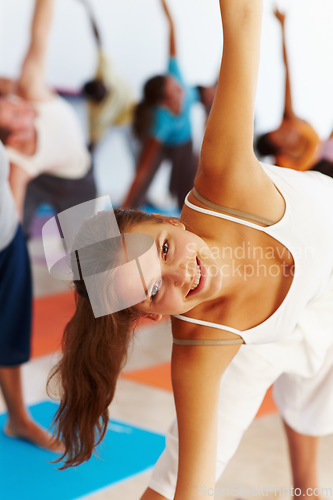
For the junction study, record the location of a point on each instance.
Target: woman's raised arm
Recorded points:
(31, 84)
(229, 173)
(172, 37)
(228, 142)
(288, 104)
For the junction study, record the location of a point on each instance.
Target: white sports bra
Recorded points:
(220, 211)
(303, 231)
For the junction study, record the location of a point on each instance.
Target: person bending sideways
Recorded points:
(241, 321)
(162, 123)
(43, 138)
(295, 144)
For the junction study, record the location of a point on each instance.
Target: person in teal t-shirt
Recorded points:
(174, 129)
(163, 125)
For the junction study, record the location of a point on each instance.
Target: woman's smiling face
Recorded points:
(186, 264)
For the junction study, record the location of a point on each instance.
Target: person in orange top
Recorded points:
(295, 144)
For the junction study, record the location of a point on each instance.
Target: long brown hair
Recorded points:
(94, 351)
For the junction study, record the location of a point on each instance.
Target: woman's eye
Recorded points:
(155, 289)
(165, 248)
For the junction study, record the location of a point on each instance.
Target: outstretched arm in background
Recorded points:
(151, 146)
(288, 106)
(147, 158)
(303, 152)
(31, 84)
(172, 38)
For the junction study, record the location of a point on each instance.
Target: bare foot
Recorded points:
(32, 432)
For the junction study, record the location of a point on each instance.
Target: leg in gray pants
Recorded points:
(59, 192)
(184, 166)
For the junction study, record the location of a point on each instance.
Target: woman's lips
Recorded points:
(202, 280)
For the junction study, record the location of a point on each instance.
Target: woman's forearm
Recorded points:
(172, 37)
(146, 160)
(31, 84)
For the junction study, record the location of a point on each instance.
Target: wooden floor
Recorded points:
(260, 466)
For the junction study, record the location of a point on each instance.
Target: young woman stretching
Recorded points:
(247, 273)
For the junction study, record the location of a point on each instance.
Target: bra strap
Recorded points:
(207, 323)
(232, 211)
(207, 342)
(222, 215)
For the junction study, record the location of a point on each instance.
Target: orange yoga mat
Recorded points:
(159, 376)
(50, 315)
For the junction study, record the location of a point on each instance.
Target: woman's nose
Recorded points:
(177, 275)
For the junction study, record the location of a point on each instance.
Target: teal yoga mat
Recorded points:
(27, 474)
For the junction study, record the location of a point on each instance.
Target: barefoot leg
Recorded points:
(20, 423)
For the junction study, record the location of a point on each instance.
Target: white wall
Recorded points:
(135, 36)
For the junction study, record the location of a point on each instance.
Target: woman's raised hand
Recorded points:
(280, 16)
(166, 10)
(172, 38)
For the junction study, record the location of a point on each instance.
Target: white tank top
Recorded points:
(60, 149)
(306, 230)
(8, 214)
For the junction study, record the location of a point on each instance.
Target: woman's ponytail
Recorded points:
(94, 351)
(153, 93)
(142, 121)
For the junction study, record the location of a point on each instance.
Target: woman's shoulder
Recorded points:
(254, 194)
(195, 356)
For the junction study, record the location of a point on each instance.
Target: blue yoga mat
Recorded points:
(27, 474)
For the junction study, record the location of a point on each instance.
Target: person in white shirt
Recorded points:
(15, 318)
(43, 138)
